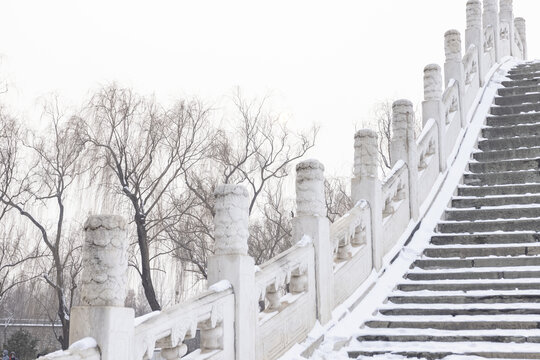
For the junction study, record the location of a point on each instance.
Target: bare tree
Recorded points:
(15, 257)
(144, 151)
(270, 233)
(35, 185)
(258, 152)
(337, 198)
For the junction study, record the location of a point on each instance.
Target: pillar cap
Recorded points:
(108, 222)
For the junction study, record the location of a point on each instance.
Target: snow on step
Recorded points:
(474, 291)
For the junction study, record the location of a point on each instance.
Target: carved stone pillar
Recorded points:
(403, 147)
(231, 262)
(366, 185)
(522, 32)
(103, 289)
(506, 31)
(432, 107)
(453, 68)
(311, 220)
(474, 35)
(490, 17)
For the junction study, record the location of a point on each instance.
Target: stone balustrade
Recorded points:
(260, 312)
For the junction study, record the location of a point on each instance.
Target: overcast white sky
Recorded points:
(326, 62)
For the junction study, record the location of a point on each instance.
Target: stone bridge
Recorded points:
(332, 268)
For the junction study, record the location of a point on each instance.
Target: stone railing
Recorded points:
(258, 313)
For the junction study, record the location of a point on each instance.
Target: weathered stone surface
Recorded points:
(231, 220)
(104, 276)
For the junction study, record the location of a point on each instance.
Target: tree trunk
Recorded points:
(146, 277)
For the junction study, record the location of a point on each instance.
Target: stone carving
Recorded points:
(402, 121)
(470, 72)
(310, 188)
(211, 335)
(365, 154)
(452, 45)
(105, 262)
(474, 14)
(350, 230)
(519, 23)
(450, 101)
(174, 353)
(490, 6)
(432, 82)
(287, 271)
(231, 220)
(168, 329)
(488, 39)
(506, 6)
(395, 188)
(504, 32)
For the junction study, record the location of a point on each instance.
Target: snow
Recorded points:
(220, 286)
(83, 344)
(139, 320)
(338, 333)
(77, 347)
(304, 241)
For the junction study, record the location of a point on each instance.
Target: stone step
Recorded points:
(502, 178)
(517, 99)
(431, 264)
(520, 83)
(454, 325)
(525, 68)
(524, 74)
(518, 90)
(473, 275)
(509, 143)
(486, 156)
(514, 109)
(436, 355)
(482, 239)
(511, 131)
(492, 213)
(513, 189)
(470, 251)
(478, 202)
(429, 311)
(452, 338)
(514, 298)
(417, 286)
(530, 224)
(504, 165)
(509, 120)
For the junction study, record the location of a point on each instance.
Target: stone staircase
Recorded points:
(475, 291)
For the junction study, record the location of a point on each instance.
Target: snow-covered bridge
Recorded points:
(390, 276)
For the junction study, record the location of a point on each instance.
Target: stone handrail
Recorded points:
(286, 287)
(210, 313)
(349, 229)
(428, 161)
(351, 238)
(268, 310)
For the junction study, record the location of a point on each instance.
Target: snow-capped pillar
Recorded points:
(231, 262)
(490, 17)
(474, 35)
(521, 29)
(366, 185)
(102, 314)
(453, 68)
(432, 107)
(403, 147)
(506, 31)
(311, 220)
